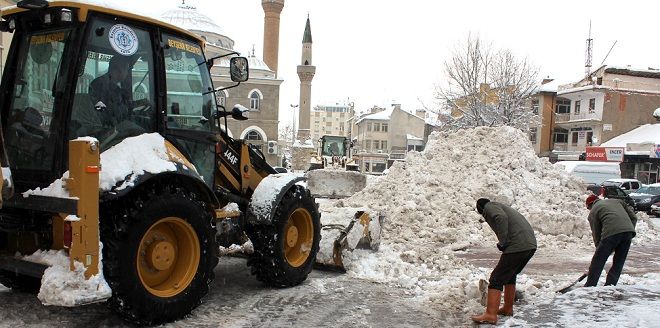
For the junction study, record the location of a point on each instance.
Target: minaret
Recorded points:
(306, 73)
(272, 10)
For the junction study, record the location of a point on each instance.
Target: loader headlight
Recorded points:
(48, 19)
(12, 24)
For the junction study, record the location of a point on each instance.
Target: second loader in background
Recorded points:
(333, 173)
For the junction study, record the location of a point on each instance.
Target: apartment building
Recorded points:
(385, 135)
(609, 102)
(331, 120)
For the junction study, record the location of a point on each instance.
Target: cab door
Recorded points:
(189, 104)
(34, 88)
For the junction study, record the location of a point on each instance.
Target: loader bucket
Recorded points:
(329, 183)
(362, 230)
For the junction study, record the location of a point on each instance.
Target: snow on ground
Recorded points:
(429, 199)
(620, 306)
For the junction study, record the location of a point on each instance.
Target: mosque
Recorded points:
(261, 93)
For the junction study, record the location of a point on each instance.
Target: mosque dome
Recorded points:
(187, 17)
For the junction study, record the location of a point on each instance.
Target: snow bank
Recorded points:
(429, 200)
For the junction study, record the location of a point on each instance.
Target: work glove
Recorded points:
(501, 247)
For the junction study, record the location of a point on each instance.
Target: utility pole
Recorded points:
(293, 123)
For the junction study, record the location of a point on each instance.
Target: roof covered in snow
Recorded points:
(187, 17)
(551, 86)
(648, 133)
(381, 116)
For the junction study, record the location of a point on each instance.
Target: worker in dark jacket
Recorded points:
(517, 243)
(613, 228)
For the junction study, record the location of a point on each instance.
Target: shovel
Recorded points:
(567, 288)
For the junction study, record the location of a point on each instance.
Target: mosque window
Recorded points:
(254, 100)
(253, 135)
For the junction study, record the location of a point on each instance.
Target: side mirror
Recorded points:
(239, 113)
(238, 69)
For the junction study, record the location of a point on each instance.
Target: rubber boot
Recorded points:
(490, 316)
(509, 297)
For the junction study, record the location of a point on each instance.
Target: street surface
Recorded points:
(329, 299)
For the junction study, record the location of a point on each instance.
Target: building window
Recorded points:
(592, 105)
(383, 127)
(341, 127)
(369, 127)
(535, 106)
(590, 138)
(648, 173)
(255, 136)
(574, 138)
(532, 135)
(560, 135)
(367, 145)
(376, 127)
(563, 106)
(254, 100)
(577, 107)
(383, 144)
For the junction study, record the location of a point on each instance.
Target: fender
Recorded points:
(268, 194)
(182, 176)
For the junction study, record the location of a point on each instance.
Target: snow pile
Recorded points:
(429, 200)
(63, 287)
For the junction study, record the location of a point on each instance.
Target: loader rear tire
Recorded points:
(285, 250)
(159, 253)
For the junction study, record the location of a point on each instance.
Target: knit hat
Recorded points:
(481, 203)
(590, 200)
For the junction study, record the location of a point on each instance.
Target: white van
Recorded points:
(592, 172)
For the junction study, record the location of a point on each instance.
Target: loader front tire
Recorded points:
(285, 250)
(158, 255)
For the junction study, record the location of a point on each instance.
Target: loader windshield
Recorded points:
(29, 135)
(333, 146)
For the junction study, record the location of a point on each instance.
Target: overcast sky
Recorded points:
(362, 49)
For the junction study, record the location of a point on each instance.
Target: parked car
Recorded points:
(627, 185)
(280, 169)
(645, 196)
(655, 209)
(592, 172)
(611, 191)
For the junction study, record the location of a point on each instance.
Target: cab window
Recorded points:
(189, 100)
(38, 78)
(115, 95)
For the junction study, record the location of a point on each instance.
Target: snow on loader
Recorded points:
(128, 184)
(333, 173)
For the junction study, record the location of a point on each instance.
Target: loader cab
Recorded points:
(333, 146)
(76, 70)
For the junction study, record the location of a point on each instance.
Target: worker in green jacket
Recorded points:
(517, 243)
(613, 228)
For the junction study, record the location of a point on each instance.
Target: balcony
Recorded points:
(577, 118)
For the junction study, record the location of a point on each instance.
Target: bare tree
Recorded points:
(486, 87)
(286, 132)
